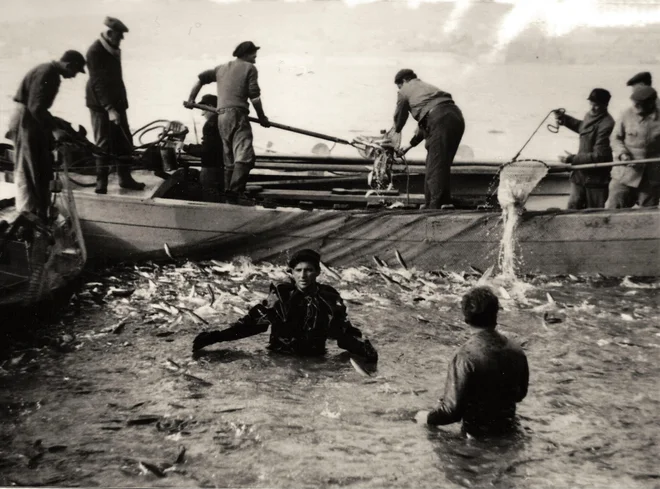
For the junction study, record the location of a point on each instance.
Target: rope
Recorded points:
(551, 128)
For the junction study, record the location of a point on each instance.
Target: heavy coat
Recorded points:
(105, 86)
(594, 147)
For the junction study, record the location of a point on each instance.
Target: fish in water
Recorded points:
(358, 368)
(330, 272)
(167, 251)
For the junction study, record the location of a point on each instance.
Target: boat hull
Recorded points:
(612, 243)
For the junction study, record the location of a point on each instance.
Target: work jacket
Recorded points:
(638, 137)
(486, 378)
(105, 87)
(595, 132)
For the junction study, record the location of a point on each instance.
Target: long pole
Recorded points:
(609, 164)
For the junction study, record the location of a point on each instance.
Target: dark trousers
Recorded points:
(114, 139)
(444, 127)
(587, 197)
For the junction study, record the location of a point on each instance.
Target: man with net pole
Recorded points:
(441, 124)
(33, 130)
(636, 137)
(589, 187)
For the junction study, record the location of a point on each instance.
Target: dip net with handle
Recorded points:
(517, 180)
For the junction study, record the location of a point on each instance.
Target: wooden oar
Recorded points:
(591, 166)
(282, 126)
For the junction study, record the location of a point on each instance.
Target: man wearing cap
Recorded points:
(302, 315)
(643, 79)
(210, 151)
(589, 187)
(107, 101)
(636, 137)
(441, 123)
(237, 81)
(33, 128)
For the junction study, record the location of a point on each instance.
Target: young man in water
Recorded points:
(487, 376)
(302, 315)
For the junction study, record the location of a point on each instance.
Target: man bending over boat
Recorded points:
(302, 315)
(211, 175)
(236, 83)
(33, 128)
(441, 123)
(487, 376)
(589, 187)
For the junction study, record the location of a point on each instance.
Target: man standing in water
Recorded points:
(589, 187)
(440, 123)
(107, 101)
(32, 130)
(487, 376)
(302, 315)
(636, 136)
(237, 81)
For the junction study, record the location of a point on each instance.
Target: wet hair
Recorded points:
(480, 306)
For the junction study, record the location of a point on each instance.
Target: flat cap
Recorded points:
(74, 58)
(306, 255)
(643, 77)
(115, 24)
(644, 94)
(600, 96)
(209, 99)
(404, 74)
(246, 47)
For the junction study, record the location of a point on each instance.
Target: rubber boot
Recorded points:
(126, 179)
(102, 171)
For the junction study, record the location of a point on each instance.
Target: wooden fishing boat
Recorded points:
(39, 262)
(350, 225)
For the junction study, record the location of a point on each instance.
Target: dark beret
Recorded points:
(644, 94)
(115, 24)
(600, 96)
(643, 77)
(404, 74)
(306, 255)
(75, 58)
(246, 47)
(209, 99)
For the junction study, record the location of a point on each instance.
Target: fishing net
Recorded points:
(382, 150)
(517, 179)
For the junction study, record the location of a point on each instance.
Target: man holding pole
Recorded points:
(636, 137)
(237, 81)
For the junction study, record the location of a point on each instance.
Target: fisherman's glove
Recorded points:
(370, 352)
(206, 338)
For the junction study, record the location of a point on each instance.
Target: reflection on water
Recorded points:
(252, 418)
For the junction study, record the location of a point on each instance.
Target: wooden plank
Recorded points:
(326, 196)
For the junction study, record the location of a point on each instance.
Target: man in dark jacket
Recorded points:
(237, 82)
(486, 378)
(589, 187)
(302, 315)
(107, 101)
(441, 123)
(33, 128)
(210, 151)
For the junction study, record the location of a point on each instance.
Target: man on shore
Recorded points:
(636, 137)
(211, 175)
(589, 187)
(440, 123)
(33, 128)
(237, 82)
(107, 102)
(487, 376)
(302, 315)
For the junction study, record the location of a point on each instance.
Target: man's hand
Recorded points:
(422, 417)
(114, 116)
(559, 117)
(60, 135)
(263, 120)
(203, 339)
(403, 150)
(188, 104)
(567, 158)
(370, 352)
(625, 157)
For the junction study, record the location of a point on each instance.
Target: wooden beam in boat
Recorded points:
(326, 196)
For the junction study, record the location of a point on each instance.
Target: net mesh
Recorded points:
(382, 150)
(517, 179)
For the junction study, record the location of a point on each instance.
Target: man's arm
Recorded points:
(42, 95)
(254, 92)
(569, 122)
(204, 78)
(348, 337)
(401, 112)
(602, 151)
(524, 380)
(450, 407)
(619, 149)
(256, 321)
